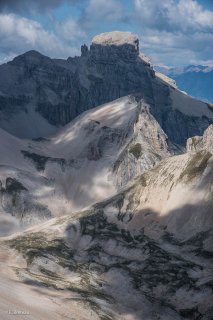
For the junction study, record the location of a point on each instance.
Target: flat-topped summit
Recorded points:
(115, 45)
(117, 38)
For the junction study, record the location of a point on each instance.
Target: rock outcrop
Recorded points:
(15, 200)
(113, 46)
(198, 143)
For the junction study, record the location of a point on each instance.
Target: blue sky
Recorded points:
(171, 32)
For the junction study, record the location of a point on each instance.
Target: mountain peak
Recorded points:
(33, 53)
(116, 38)
(111, 46)
(31, 56)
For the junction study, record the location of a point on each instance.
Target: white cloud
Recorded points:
(104, 9)
(94, 14)
(175, 32)
(71, 30)
(32, 5)
(19, 34)
(172, 31)
(192, 14)
(169, 15)
(177, 49)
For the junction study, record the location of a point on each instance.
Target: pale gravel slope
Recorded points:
(86, 161)
(35, 302)
(145, 253)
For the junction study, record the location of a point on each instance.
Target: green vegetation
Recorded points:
(196, 166)
(36, 244)
(195, 141)
(136, 150)
(142, 180)
(90, 289)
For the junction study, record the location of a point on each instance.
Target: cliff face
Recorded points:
(55, 91)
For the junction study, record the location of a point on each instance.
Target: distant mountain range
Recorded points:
(195, 80)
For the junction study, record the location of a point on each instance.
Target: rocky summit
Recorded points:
(106, 173)
(48, 93)
(117, 38)
(115, 45)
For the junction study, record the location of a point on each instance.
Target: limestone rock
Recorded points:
(39, 94)
(198, 143)
(115, 45)
(117, 38)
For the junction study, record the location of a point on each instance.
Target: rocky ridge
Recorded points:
(137, 254)
(100, 152)
(52, 92)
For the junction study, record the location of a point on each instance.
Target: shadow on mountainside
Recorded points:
(143, 276)
(132, 262)
(124, 273)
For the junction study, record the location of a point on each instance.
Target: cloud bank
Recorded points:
(172, 32)
(176, 32)
(32, 5)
